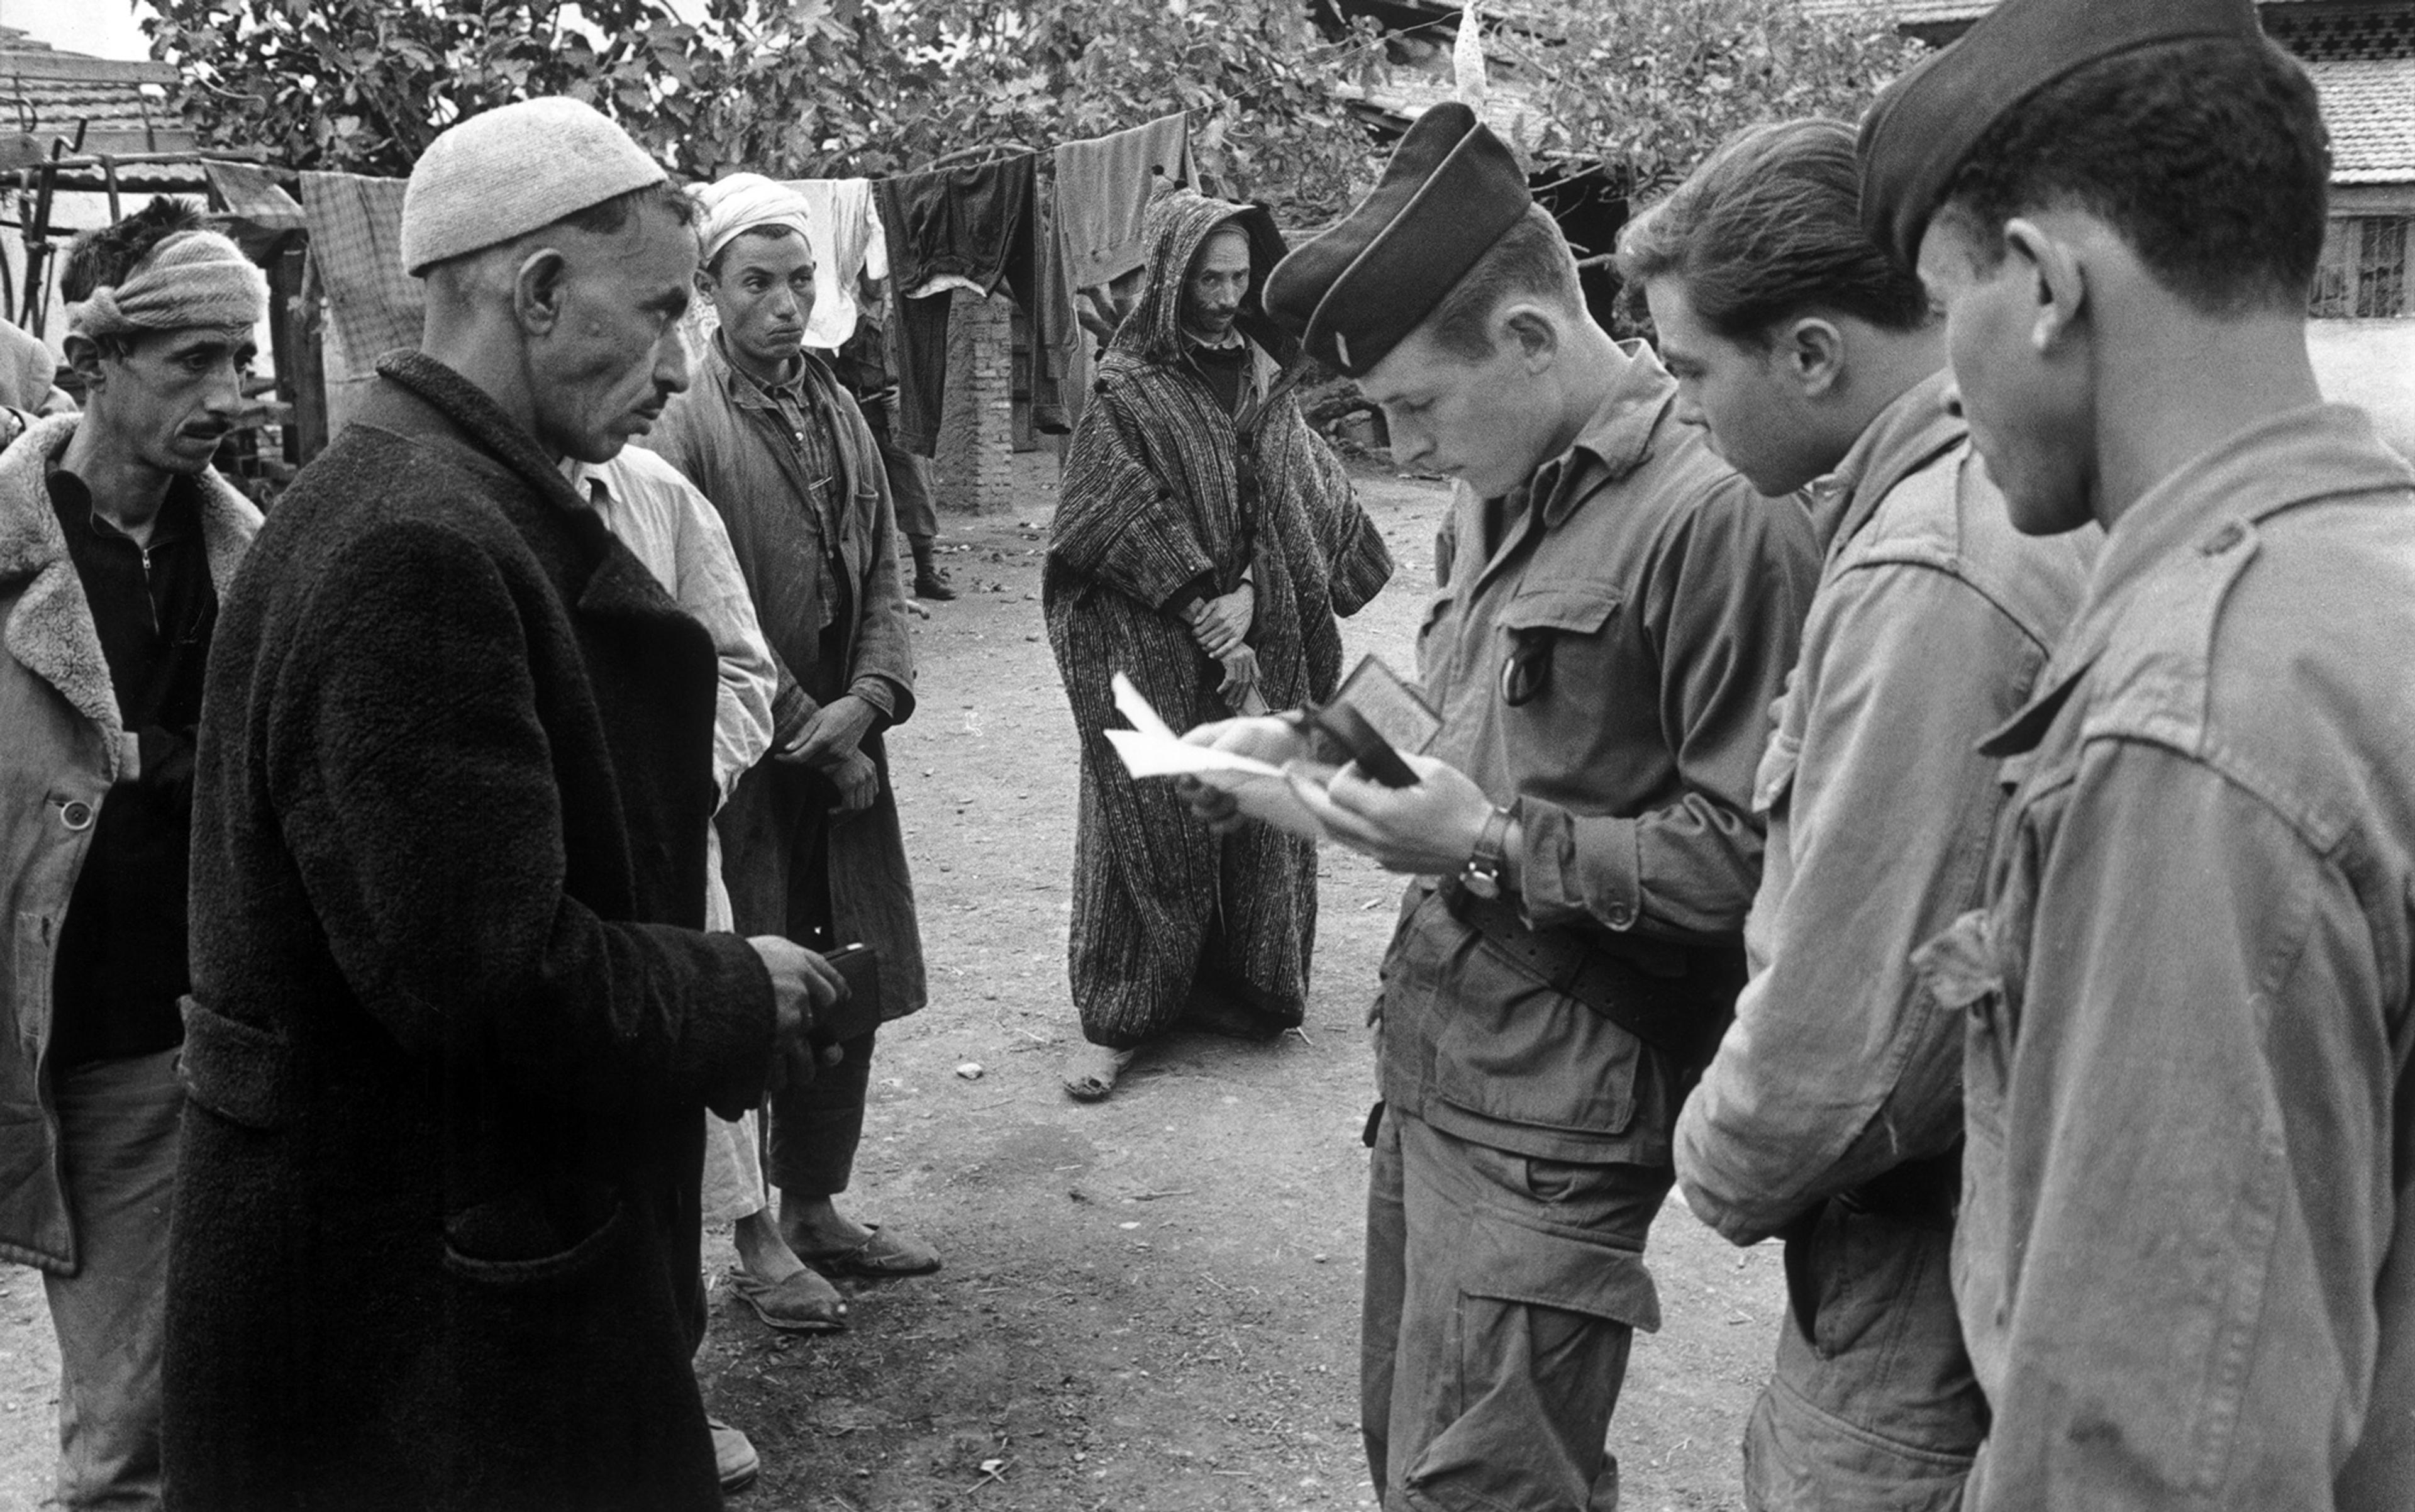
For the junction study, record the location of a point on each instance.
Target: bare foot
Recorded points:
(815, 1226)
(762, 1253)
(1090, 1072)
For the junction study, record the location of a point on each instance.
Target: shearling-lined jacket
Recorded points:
(59, 753)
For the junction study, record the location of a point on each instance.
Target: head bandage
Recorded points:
(194, 278)
(743, 201)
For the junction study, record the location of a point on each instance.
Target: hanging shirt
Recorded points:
(849, 247)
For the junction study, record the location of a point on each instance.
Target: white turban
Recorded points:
(194, 278)
(743, 201)
(511, 171)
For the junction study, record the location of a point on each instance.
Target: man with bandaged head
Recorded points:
(455, 1020)
(117, 540)
(811, 844)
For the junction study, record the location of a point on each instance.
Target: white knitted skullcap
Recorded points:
(512, 171)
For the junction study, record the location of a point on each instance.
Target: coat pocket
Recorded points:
(1513, 1047)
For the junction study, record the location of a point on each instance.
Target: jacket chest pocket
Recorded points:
(1557, 649)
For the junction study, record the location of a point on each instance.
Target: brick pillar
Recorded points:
(976, 461)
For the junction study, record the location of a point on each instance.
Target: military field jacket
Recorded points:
(1656, 602)
(2186, 1259)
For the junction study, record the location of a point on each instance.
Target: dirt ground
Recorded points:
(1150, 1305)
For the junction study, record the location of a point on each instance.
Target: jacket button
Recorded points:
(2223, 539)
(1621, 916)
(76, 816)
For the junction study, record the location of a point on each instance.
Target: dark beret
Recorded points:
(1450, 192)
(1921, 130)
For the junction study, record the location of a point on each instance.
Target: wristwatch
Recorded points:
(1481, 876)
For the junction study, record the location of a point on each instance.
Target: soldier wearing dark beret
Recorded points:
(1617, 610)
(2186, 1262)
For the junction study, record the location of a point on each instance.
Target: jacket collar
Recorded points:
(50, 633)
(1913, 430)
(1616, 440)
(2207, 508)
(812, 379)
(618, 583)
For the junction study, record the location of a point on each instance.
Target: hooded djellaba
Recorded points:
(1174, 494)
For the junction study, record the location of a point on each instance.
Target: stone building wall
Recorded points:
(975, 468)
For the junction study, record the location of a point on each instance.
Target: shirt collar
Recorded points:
(2322, 451)
(179, 510)
(1914, 426)
(748, 388)
(1615, 439)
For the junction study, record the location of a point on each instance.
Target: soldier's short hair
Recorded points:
(1770, 226)
(1531, 260)
(2208, 157)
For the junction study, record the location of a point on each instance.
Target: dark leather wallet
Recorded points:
(858, 1013)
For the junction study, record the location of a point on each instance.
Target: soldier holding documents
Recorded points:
(1617, 609)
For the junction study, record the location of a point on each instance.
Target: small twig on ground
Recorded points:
(1303, 1036)
(1152, 1196)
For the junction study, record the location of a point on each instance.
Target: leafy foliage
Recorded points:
(1646, 88)
(787, 87)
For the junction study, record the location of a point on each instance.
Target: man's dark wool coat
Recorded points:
(453, 1030)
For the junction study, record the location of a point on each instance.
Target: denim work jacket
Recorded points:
(2186, 1260)
(1661, 600)
(1934, 618)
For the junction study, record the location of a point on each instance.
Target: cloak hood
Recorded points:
(1179, 222)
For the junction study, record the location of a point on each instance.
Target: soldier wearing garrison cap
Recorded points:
(455, 1020)
(1616, 611)
(2185, 1262)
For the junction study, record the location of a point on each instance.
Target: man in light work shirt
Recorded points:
(2186, 1266)
(1832, 1111)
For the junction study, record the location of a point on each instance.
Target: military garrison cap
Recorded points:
(1924, 126)
(1450, 192)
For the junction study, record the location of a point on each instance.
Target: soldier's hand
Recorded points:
(1428, 828)
(858, 781)
(1268, 738)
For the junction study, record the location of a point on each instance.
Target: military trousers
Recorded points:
(1503, 1294)
(1875, 1408)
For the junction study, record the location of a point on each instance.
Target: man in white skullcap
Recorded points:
(455, 1019)
(812, 846)
(117, 540)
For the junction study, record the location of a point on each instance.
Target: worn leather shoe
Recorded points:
(733, 1457)
(932, 584)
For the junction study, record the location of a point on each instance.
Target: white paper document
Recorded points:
(1151, 749)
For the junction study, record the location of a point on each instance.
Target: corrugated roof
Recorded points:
(2370, 106)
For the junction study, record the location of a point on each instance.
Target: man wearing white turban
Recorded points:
(117, 540)
(455, 1019)
(812, 845)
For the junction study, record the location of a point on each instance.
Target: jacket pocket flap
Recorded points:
(1959, 967)
(241, 1074)
(1580, 608)
(1776, 778)
(1543, 1267)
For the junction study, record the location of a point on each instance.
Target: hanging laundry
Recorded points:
(974, 224)
(1099, 199)
(1102, 190)
(848, 248)
(357, 252)
(356, 244)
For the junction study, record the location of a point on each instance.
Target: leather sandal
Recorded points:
(882, 1254)
(803, 1303)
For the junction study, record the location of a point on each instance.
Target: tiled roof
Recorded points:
(2370, 106)
(122, 106)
